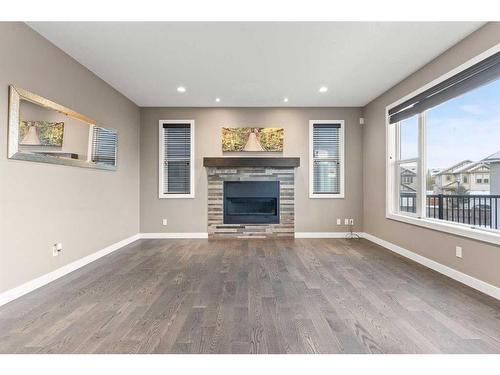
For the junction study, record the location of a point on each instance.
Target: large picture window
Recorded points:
(444, 154)
(176, 162)
(326, 159)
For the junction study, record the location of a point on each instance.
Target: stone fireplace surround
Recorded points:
(279, 169)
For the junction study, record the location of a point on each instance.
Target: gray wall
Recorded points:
(480, 260)
(41, 204)
(190, 215)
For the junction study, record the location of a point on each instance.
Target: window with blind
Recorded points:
(104, 146)
(446, 137)
(176, 159)
(326, 172)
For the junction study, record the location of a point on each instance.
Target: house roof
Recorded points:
(493, 158)
(409, 187)
(471, 167)
(463, 167)
(435, 171)
(451, 170)
(409, 171)
(478, 166)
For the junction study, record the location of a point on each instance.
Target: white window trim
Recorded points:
(341, 154)
(161, 152)
(458, 229)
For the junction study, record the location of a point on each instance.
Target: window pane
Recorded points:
(407, 187)
(409, 138)
(326, 141)
(463, 158)
(326, 177)
(177, 178)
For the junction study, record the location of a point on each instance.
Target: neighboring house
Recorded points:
(494, 163)
(464, 177)
(408, 180)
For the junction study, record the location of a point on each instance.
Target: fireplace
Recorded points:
(251, 202)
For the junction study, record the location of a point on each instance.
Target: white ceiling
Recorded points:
(253, 64)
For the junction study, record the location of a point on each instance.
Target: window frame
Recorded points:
(459, 229)
(341, 194)
(161, 153)
(419, 163)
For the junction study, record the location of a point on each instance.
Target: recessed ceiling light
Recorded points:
(323, 89)
(285, 100)
(217, 100)
(181, 89)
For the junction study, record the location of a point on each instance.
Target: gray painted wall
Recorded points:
(41, 204)
(480, 260)
(190, 215)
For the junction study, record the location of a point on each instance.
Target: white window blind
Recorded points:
(326, 158)
(104, 143)
(177, 158)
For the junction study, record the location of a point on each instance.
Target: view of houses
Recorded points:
(464, 178)
(467, 192)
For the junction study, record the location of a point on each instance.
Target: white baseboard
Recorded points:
(187, 235)
(477, 284)
(324, 234)
(25, 288)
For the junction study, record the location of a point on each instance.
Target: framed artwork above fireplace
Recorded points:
(252, 139)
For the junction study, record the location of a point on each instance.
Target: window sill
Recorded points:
(175, 196)
(331, 196)
(456, 229)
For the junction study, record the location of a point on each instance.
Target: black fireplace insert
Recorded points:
(251, 202)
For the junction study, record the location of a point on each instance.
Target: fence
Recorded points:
(475, 210)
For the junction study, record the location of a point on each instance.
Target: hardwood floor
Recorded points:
(252, 296)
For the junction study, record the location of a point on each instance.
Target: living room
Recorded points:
(250, 187)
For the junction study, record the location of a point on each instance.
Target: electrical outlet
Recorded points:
(346, 221)
(351, 221)
(339, 222)
(164, 222)
(458, 251)
(56, 249)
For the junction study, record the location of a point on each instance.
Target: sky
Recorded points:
(467, 127)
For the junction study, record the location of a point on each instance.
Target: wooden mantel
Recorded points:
(238, 162)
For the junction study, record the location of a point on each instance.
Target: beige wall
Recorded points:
(40, 204)
(480, 259)
(190, 215)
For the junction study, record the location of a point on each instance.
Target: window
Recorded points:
(326, 159)
(103, 146)
(441, 134)
(407, 163)
(176, 162)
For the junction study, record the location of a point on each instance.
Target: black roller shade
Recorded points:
(473, 77)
